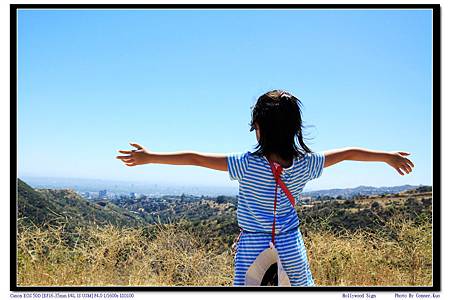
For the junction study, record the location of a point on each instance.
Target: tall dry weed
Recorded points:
(168, 255)
(399, 255)
(110, 256)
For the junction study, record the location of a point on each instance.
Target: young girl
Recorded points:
(276, 117)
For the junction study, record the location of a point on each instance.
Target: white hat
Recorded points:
(267, 267)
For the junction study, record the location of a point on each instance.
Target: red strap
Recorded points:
(281, 183)
(276, 171)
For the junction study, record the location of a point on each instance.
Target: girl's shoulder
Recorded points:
(311, 164)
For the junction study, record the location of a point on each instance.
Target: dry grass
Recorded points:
(107, 256)
(170, 256)
(373, 259)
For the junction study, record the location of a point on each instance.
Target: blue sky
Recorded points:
(91, 81)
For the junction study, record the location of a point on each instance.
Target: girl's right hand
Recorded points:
(400, 162)
(138, 156)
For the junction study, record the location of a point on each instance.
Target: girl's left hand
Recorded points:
(400, 162)
(134, 157)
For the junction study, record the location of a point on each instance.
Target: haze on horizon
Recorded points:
(89, 82)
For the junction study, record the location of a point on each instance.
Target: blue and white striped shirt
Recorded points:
(257, 189)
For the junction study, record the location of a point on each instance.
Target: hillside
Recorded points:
(361, 191)
(369, 241)
(47, 206)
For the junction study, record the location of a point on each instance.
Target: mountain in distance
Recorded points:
(360, 190)
(46, 206)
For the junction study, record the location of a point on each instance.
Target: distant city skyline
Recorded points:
(126, 187)
(89, 82)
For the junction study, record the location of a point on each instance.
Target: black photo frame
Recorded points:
(436, 85)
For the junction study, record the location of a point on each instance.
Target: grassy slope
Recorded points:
(65, 206)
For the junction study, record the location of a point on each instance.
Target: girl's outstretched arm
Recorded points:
(143, 156)
(397, 160)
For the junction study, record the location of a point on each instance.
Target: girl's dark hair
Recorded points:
(278, 116)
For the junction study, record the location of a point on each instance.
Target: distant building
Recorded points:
(102, 194)
(305, 199)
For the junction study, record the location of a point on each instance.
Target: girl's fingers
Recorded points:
(136, 145)
(125, 151)
(410, 163)
(404, 168)
(124, 157)
(409, 168)
(407, 161)
(399, 171)
(128, 159)
(404, 153)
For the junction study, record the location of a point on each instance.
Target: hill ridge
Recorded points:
(49, 206)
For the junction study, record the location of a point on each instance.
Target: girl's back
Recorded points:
(257, 189)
